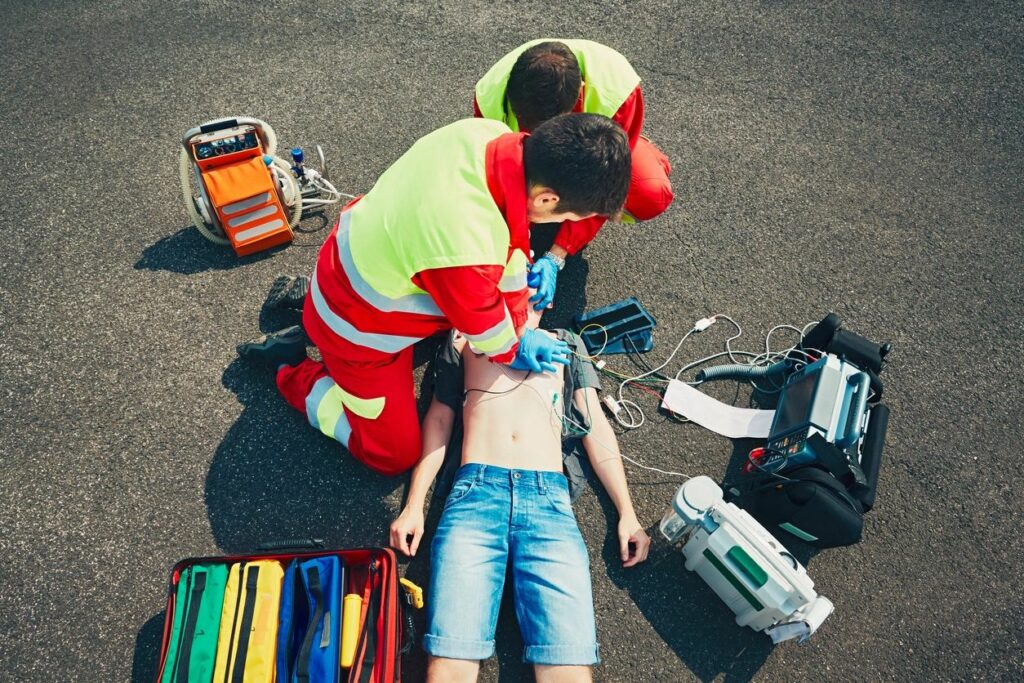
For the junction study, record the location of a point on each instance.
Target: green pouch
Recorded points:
(197, 608)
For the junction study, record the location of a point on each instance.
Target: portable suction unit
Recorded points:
(238, 192)
(761, 582)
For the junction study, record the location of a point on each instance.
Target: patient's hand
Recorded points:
(407, 530)
(632, 534)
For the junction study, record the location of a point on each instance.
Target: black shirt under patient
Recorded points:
(449, 389)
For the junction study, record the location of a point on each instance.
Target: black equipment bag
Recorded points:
(807, 503)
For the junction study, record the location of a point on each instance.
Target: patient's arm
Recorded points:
(603, 451)
(407, 529)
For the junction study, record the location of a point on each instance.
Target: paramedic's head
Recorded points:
(577, 166)
(544, 82)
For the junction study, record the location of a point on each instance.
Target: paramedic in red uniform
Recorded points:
(545, 78)
(440, 241)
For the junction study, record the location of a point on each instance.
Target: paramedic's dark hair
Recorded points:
(544, 82)
(584, 159)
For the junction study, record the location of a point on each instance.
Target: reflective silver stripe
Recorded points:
(482, 343)
(251, 217)
(504, 348)
(422, 304)
(513, 283)
(493, 331)
(249, 233)
(247, 203)
(388, 343)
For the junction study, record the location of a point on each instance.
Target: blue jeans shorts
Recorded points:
(496, 518)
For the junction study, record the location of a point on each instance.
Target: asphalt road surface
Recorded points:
(863, 158)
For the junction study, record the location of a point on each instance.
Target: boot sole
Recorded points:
(287, 292)
(263, 346)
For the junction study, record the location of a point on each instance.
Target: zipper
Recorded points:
(245, 628)
(195, 601)
(364, 636)
(242, 571)
(302, 665)
(186, 577)
(387, 635)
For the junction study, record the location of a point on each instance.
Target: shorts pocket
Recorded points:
(459, 491)
(558, 500)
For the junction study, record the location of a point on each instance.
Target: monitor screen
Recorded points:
(796, 403)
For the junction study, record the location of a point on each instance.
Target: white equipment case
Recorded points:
(761, 582)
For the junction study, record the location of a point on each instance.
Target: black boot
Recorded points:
(287, 292)
(284, 347)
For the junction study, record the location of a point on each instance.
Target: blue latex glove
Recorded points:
(542, 277)
(539, 352)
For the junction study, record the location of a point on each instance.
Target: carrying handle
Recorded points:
(857, 410)
(292, 544)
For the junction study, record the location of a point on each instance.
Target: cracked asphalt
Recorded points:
(862, 158)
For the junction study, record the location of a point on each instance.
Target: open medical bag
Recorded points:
(278, 616)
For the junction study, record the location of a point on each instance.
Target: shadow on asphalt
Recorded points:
(187, 252)
(147, 650)
(273, 478)
(683, 610)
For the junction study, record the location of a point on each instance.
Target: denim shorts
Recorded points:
(494, 519)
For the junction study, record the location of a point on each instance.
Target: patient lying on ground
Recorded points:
(509, 509)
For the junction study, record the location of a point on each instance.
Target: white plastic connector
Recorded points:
(704, 323)
(600, 364)
(611, 404)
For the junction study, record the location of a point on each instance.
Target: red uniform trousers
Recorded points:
(650, 191)
(389, 443)
(649, 194)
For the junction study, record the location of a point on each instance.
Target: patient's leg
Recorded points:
(562, 674)
(443, 670)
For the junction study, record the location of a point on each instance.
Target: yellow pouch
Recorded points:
(248, 625)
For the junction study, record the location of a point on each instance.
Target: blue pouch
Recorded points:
(622, 327)
(309, 630)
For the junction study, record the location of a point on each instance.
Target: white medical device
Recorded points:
(761, 582)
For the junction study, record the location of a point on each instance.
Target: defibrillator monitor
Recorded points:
(828, 399)
(795, 406)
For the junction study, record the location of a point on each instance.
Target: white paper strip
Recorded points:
(710, 413)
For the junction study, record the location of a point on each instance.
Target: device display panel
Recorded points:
(795, 408)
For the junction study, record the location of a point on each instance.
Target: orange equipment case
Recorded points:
(240, 187)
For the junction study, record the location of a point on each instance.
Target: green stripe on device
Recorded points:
(732, 579)
(799, 533)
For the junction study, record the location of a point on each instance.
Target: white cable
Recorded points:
(633, 423)
(563, 417)
(619, 452)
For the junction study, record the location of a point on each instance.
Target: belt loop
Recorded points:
(480, 473)
(540, 483)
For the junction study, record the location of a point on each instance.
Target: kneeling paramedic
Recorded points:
(441, 240)
(545, 78)
(509, 513)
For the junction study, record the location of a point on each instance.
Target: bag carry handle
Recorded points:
(291, 544)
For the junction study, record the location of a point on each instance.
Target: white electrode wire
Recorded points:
(622, 455)
(588, 434)
(625, 403)
(729, 341)
(767, 357)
